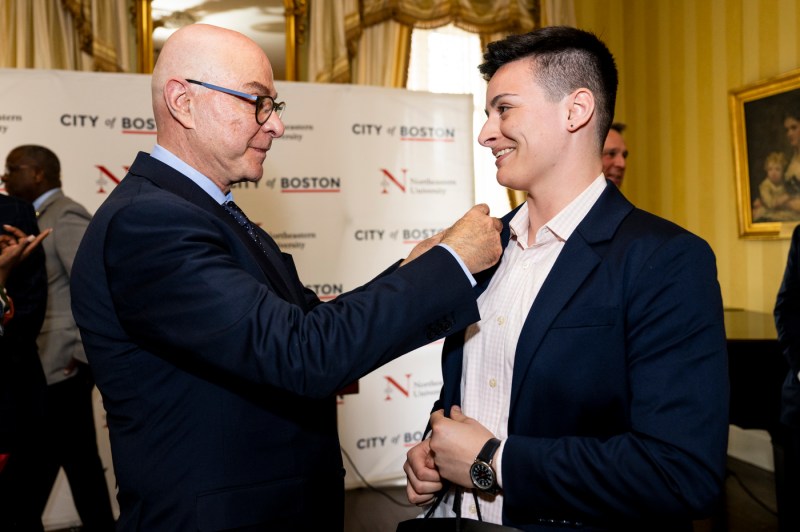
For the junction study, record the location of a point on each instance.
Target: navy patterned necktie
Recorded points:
(292, 291)
(242, 219)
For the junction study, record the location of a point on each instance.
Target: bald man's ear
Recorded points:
(178, 102)
(580, 108)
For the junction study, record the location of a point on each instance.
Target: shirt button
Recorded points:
(526, 265)
(492, 382)
(501, 320)
(472, 509)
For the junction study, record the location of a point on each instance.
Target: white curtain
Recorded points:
(369, 41)
(382, 57)
(66, 34)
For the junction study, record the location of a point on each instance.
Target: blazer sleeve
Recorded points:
(671, 461)
(27, 283)
(787, 306)
(180, 292)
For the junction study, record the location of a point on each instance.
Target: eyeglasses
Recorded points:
(264, 104)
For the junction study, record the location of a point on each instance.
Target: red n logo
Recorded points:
(101, 181)
(394, 384)
(389, 178)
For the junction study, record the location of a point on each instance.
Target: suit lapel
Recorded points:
(167, 178)
(582, 253)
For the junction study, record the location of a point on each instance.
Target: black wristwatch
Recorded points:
(481, 471)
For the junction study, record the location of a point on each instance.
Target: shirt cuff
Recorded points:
(472, 280)
(497, 462)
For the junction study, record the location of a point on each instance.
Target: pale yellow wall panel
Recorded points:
(787, 25)
(751, 51)
(651, 109)
(696, 85)
(666, 119)
(768, 36)
(715, 149)
(705, 93)
(615, 37)
(733, 284)
(674, 40)
(678, 60)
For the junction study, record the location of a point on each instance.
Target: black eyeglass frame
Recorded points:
(277, 107)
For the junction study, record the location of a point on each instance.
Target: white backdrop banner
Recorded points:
(360, 176)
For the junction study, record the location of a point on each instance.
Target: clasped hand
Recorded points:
(475, 238)
(448, 453)
(15, 247)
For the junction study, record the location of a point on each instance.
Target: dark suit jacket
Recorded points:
(21, 378)
(218, 369)
(787, 321)
(619, 401)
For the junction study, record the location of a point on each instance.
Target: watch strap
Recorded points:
(488, 450)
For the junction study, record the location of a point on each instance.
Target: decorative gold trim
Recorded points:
(295, 12)
(144, 36)
(402, 58)
(82, 22)
(738, 98)
(516, 197)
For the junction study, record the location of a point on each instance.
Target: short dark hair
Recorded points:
(45, 159)
(566, 59)
(619, 127)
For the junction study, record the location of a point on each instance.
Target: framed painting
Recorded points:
(765, 118)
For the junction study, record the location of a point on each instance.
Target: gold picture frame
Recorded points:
(765, 118)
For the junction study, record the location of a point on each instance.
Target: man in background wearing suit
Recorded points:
(70, 440)
(218, 368)
(787, 322)
(22, 382)
(593, 393)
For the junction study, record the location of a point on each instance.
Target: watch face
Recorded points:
(482, 475)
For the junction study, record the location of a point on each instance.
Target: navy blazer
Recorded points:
(22, 383)
(787, 321)
(619, 400)
(218, 369)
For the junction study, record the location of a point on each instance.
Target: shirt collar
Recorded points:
(563, 224)
(37, 203)
(170, 159)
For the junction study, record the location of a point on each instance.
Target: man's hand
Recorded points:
(15, 247)
(422, 247)
(422, 478)
(476, 238)
(455, 442)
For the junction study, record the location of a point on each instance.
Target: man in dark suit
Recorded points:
(218, 369)
(22, 382)
(593, 392)
(787, 321)
(70, 439)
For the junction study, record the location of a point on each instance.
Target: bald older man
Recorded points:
(217, 367)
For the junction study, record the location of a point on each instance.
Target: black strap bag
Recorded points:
(451, 524)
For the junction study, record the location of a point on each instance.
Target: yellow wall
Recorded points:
(678, 60)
